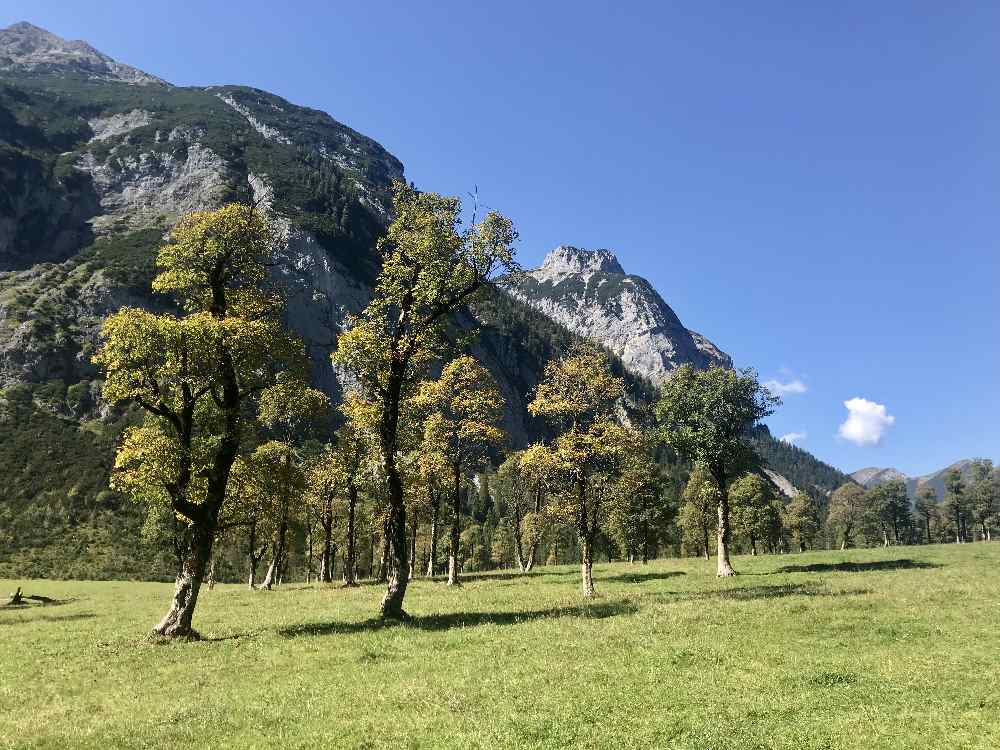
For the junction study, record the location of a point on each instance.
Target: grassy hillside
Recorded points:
(891, 648)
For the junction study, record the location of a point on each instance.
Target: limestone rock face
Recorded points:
(589, 292)
(27, 48)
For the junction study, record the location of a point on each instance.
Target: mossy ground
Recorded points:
(894, 648)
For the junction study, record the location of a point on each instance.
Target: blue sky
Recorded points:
(814, 186)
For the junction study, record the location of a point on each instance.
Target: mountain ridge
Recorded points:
(94, 170)
(590, 293)
(872, 476)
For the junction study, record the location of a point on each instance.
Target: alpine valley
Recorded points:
(98, 160)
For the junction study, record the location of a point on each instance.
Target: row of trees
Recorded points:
(884, 514)
(235, 445)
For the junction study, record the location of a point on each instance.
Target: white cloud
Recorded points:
(793, 437)
(783, 389)
(866, 422)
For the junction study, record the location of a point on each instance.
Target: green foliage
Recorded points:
(57, 517)
(698, 517)
(848, 513)
(706, 415)
(802, 519)
(756, 510)
(799, 467)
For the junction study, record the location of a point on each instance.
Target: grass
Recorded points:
(895, 648)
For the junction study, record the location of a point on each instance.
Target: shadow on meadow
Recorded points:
(597, 611)
(506, 575)
(772, 591)
(858, 567)
(641, 577)
(69, 617)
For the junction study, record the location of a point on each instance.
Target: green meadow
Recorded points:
(893, 648)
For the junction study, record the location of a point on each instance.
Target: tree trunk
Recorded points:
(350, 563)
(522, 565)
(327, 559)
(724, 568)
(455, 538)
(533, 549)
(274, 570)
(587, 569)
(177, 621)
(753, 545)
(435, 499)
(371, 555)
(927, 525)
(384, 561)
(211, 572)
(399, 568)
(704, 544)
(253, 555)
(413, 544)
(587, 533)
(398, 565)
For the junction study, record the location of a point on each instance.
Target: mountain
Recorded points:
(589, 292)
(872, 476)
(98, 159)
(27, 48)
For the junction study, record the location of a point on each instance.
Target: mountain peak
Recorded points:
(567, 259)
(589, 292)
(25, 47)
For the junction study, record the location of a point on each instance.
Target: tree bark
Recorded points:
(254, 556)
(724, 568)
(587, 568)
(274, 570)
(350, 562)
(413, 544)
(384, 561)
(435, 499)
(455, 538)
(211, 572)
(587, 531)
(645, 541)
(177, 622)
(533, 549)
(518, 547)
(327, 558)
(399, 567)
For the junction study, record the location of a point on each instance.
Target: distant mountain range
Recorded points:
(873, 475)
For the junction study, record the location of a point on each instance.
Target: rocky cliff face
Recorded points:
(27, 48)
(589, 292)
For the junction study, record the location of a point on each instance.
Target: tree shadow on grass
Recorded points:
(858, 567)
(642, 577)
(776, 591)
(46, 618)
(507, 575)
(595, 611)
